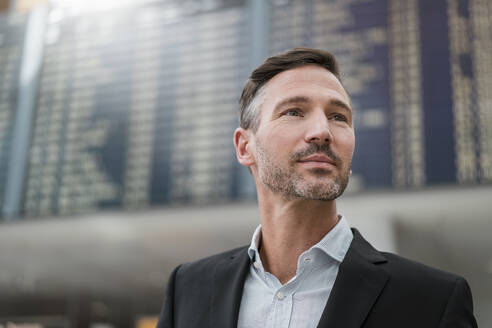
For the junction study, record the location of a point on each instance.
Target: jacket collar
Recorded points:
(358, 284)
(229, 278)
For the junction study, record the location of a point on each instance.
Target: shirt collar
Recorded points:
(253, 247)
(335, 243)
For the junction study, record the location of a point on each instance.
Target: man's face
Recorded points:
(305, 140)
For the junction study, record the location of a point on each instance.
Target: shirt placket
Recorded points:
(281, 308)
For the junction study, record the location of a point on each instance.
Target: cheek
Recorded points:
(346, 145)
(282, 139)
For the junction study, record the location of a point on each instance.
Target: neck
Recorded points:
(290, 227)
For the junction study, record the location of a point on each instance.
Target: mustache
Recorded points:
(312, 149)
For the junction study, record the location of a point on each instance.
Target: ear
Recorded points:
(242, 139)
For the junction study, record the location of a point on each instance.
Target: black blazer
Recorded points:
(372, 290)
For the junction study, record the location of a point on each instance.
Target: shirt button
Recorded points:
(280, 295)
(256, 265)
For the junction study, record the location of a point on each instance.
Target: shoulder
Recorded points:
(420, 281)
(194, 282)
(207, 264)
(422, 295)
(417, 290)
(409, 279)
(410, 270)
(431, 287)
(401, 269)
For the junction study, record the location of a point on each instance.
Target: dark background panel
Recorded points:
(437, 93)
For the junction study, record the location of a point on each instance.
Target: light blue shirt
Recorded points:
(301, 301)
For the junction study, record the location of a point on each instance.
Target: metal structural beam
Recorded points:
(260, 30)
(259, 36)
(28, 84)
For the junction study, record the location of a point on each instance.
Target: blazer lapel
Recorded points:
(357, 286)
(230, 275)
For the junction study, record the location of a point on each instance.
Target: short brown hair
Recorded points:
(252, 94)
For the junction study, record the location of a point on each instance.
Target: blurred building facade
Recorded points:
(127, 109)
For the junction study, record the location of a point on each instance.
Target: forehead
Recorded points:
(308, 81)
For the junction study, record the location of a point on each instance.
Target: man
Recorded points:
(305, 267)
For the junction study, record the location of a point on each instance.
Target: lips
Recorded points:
(318, 159)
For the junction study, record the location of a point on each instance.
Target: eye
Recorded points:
(339, 117)
(293, 112)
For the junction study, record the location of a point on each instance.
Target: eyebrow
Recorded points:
(339, 103)
(306, 100)
(293, 100)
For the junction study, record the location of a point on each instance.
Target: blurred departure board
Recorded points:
(12, 30)
(136, 106)
(419, 76)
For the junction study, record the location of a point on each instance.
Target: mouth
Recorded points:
(318, 160)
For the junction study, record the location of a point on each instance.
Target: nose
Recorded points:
(319, 131)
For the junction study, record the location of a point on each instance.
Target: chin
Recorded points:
(321, 171)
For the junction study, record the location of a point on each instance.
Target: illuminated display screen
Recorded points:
(137, 105)
(136, 109)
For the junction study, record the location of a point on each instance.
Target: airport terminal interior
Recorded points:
(116, 155)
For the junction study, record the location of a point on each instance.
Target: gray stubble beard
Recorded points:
(291, 185)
